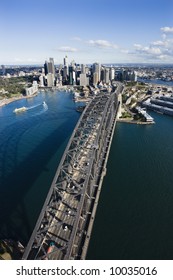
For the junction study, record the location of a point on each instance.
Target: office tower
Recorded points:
(84, 80)
(102, 75)
(50, 79)
(112, 74)
(96, 69)
(83, 69)
(72, 76)
(106, 75)
(66, 61)
(41, 78)
(65, 69)
(95, 78)
(46, 67)
(65, 72)
(49, 67)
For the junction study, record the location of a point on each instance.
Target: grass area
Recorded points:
(12, 87)
(125, 115)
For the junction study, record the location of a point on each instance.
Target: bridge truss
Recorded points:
(64, 226)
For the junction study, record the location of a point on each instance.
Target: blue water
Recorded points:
(31, 146)
(134, 218)
(135, 213)
(159, 82)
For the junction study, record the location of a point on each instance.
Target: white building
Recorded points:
(50, 80)
(41, 78)
(33, 89)
(84, 80)
(112, 74)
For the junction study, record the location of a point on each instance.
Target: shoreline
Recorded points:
(134, 122)
(7, 101)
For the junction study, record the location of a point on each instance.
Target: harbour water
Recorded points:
(134, 218)
(135, 213)
(31, 146)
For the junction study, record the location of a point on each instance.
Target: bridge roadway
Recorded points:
(65, 223)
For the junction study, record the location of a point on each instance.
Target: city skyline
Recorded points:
(106, 31)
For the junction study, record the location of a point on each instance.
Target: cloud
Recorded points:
(102, 44)
(76, 39)
(161, 49)
(66, 49)
(159, 43)
(147, 50)
(167, 29)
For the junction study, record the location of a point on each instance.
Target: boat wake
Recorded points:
(35, 106)
(41, 108)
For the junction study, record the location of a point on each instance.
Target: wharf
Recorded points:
(131, 121)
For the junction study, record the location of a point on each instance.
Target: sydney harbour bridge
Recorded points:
(64, 227)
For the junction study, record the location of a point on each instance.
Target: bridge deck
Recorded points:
(62, 230)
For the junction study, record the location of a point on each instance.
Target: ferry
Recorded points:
(19, 110)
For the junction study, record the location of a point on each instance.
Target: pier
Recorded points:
(64, 227)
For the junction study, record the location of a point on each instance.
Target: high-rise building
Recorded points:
(84, 80)
(46, 67)
(112, 74)
(66, 61)
(49, 67)
(66, 70)
(72, 76)
(96, 69)
(41, 78)
(50, 80)
(95, 78)
(107, 75)
(83, 69)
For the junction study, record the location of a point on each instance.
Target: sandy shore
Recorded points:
(6, 101)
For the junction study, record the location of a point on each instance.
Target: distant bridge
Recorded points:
(63, 229)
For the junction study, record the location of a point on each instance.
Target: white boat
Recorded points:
(19, 110)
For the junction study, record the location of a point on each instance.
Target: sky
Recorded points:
(87, 31)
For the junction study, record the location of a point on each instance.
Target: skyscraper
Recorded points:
(96, 69)
(83, 69)
(66, 69)
(84, 80)
(106, 75)
(49, 66)
(66, 61)
(50, 80)
(112, 74)
(46, 67)
(95, 78)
